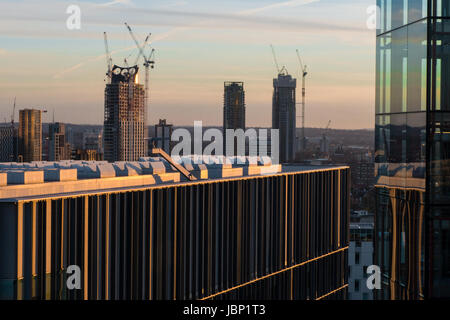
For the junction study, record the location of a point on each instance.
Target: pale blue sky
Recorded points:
(200, 44)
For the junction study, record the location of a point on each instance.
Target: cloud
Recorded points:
(177, 4)
(108, 4)
(206, 19)
(93, 59)
(180, 20)
(292, 3)
(3, 51)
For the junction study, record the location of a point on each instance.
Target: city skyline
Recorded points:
(199, 46)
(161, 151)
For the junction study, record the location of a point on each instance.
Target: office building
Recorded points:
(233, 111)
(140, 230)
(412, 156)
(58, 147)
(30, 135)
(86, 154)
(284, 114)
(124, 122)
(163, 135)
(360, 255)
(93, 141)
(8, 143)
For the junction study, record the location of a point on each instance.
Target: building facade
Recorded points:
(412, 156)
(271, 233)
(284, 115)
(58, 147)
(360, 255)
(163, 135)
(30, 135)
(124, 121)
(233, 111)
(8, 143)
(93, 141)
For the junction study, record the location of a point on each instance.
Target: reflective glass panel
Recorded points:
(415, 150)
(440, 157)
(417, 66)
(397, 13)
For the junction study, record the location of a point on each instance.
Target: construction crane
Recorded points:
(275, 59)
(108, 59)
(303, 75)
(324, 143)
(327, 128)
(143, 48)
(148, 63)
(13, 113)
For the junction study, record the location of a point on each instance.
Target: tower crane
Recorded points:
(13, 113)
(304, 73)
(327, 128)
(275, 59)
(148, 63)
(108, 59)
(324, 143)
(281, 70)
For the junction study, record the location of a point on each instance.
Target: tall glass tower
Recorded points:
(412, 238)
(283, 113)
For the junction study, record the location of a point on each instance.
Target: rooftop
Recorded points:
(20, 181)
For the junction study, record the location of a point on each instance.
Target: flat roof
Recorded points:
(43, 180)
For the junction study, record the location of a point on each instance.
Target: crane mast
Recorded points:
(13, 112)
(304, 73)
(108, 59)
(275, 59)
(148, 63)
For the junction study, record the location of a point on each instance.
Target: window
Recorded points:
(356, 285)
(356, 257)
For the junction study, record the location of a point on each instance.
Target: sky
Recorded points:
(199, 44)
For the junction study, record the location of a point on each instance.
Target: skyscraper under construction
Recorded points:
(124, 123)
(283, 114)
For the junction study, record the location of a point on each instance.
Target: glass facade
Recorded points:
(412, 156)
(262, 237)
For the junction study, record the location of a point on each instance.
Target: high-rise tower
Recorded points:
(233, 109)
(7, 143)
(30, 135)
(58, 148)
(124, 123)
(284, 115)
(234, 105)
(412, 158)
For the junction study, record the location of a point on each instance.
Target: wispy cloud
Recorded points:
(111, 3)
(208, 19)
(292, 3)
(93, 59)
(176, 4)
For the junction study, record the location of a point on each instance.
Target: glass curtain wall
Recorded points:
(412, 133)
